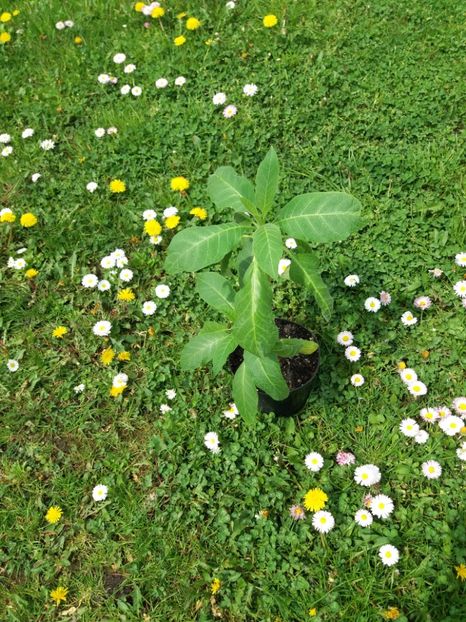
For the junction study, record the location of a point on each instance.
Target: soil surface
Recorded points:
(296, 370)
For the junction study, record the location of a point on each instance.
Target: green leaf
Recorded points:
(216, 291)
(321, 216)
(245, 394)
(292, 347)
(267, 181)
(254, 326)
(243, 261)
(267, 248)
(304, 270)
(195, 248)
(227, 189)
(267, 375)
(213, 343)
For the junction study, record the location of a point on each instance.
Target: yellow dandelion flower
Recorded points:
(31, 273)
(116, 185)
(7, 216)
(199, 212)
(463, 430)
(107, 356)
(158, 12)
(116, 391)
(178, 184)
(126, 295)
(171, 222)
(59, 331)
(215, 586)
(5, 37)
(16, 12)
(28, 220)
(425, 354)
(54, 514)
(124, 356)
(181, 15)
(78, 40)
(192, 23)
(461, 572)
(152, 227)
(5, 17)
(139, 6)
(315, 499)
(59, 594)
(181, 40)
(270, 21)
(209, 41)
(401, 365)
(151, 331)
(359, 428)
(313, 612)
(392, 613)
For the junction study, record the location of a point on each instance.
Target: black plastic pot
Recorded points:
(297, 397)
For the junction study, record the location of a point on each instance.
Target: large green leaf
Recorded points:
(292, 346)
(213, 343)
(304, 270)
(244, 258)
(254, 326)
(227, 189)
(245, 394)
(267, 375)
(267, 248)
(216, 291)
(321, 216)
(195, 248)
(267, 181)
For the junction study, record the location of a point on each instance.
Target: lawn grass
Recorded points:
(358, 96)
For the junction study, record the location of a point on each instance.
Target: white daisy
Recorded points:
(108, 262)
(112, 130)
(103, 285)
(436, 273)
(432, 469)
(408, 375)
(129, 68)
(149, 214)
(19, 264)
(422, 302)
(314, 462)
(231, 412)
(103, 78)
(6, 151)
(451, 425)
(180, 81)
(89, 281)
(460, 259)
(35, 177)
(161, 83)
(345, 338)
(443, 411)
(372, 304)
(283, 266)
(229, 111)
(91, 186)
(99, 132)
(120, 381)
(385, 298)
(291, 243)
(60, 26)
(367, 475)
(363, 518)
(126, 275)
(99, 492)
(389, 555)
(382, 506)
(5, 139)
(357, 380)
(353, 354)
(162, 291)
(69, 23)
(459, 404)
(230, 5)
(171, 394)
(79, 388)
(409, 427)
(461, 452)
(421, 437)
(352, 280)
(417, 388)
(125, 89)
(102, 328)
(250, 90)
(211, 442)
(136, 91)
(408, 318)
(323, 521)
(460, 289)
(170, 211)
(149, 307)
(12, 365)
(165, 408)
(219, 99)
(119, 58)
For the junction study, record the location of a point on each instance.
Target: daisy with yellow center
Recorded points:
(199, 212)
(54, 514)
(59, 594)
(59, 331)
(179, 184)
(126, 295)
(117, 186)
(315, 499)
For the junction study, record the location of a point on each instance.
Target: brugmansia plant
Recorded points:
(251, 245)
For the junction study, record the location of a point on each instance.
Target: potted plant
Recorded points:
(260, 348)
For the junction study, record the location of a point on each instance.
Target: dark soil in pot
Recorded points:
(298, 371)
